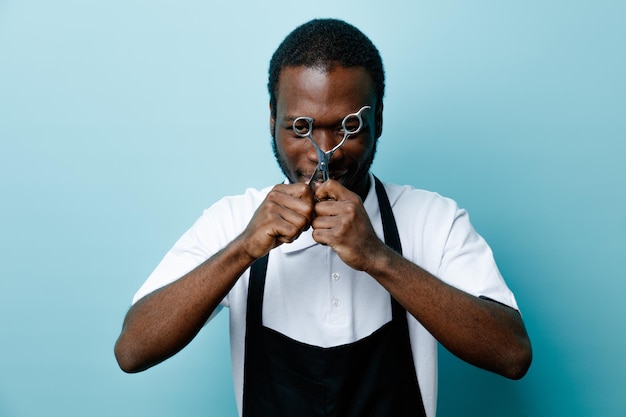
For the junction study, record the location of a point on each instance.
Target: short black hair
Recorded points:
(324, 43)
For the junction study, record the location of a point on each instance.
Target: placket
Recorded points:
(339, 278)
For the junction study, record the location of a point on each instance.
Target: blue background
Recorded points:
(121, 120)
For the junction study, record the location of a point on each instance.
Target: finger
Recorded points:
(287, 233)
(298, 190)
(332, 190)
(327, 208)
(346, 207)
(322, 223)
(322, 236)
(292, 223)
(273, 228)
(297, 200)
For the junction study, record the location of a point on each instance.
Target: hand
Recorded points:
(342, 223)
(284, 214)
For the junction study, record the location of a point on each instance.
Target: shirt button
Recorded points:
(336, 302)
(335, 276)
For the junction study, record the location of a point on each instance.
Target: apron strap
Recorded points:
(256, 284)
(390, 230)
(392, 238)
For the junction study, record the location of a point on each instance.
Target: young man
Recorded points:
(337, 290)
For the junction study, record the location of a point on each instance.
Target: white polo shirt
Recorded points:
(313, 297)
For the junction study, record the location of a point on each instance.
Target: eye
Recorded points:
(352, 125)
(350, 129)
(302, 126)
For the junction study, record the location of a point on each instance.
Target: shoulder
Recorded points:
(237, 206)
(426, 220)
(226, 218)
(411, 201)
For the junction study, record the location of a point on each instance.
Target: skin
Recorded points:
(481, 332)
(308, 92)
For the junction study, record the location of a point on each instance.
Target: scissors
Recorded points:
(303, 127)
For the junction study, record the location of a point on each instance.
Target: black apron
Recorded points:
(373, 377)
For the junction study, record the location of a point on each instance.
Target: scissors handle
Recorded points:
(303, 127)
(347, 131)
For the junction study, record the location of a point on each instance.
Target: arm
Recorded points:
(479, 331)
(165, 321)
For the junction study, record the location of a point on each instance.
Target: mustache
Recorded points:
(282, 164)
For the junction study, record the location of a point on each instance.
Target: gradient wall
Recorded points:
(120, 121)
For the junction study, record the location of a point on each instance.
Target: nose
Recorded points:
(326, 139)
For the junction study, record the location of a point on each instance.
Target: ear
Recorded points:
(272, 121)
(378, 117)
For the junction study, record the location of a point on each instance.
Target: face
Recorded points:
(327, 97)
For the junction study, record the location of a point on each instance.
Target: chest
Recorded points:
(312, 296)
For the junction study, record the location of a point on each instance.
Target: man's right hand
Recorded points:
(285, 213)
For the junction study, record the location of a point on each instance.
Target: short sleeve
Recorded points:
(468, 263)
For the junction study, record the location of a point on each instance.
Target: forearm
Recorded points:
(163, 322)
(482, 332)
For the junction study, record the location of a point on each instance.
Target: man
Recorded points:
(337, 290)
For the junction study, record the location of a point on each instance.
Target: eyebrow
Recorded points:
(290, 119)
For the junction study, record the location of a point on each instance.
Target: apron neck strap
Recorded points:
(390, 229)
(392, 237)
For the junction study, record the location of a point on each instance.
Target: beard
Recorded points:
(281, 162)
(283, 165)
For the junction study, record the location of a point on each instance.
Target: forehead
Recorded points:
(316, 91)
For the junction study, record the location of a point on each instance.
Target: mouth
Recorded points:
(339, 176)
(316, 178)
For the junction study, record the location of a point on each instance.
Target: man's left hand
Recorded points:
(342, 223)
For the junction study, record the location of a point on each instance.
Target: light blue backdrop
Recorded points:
(121, 120)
